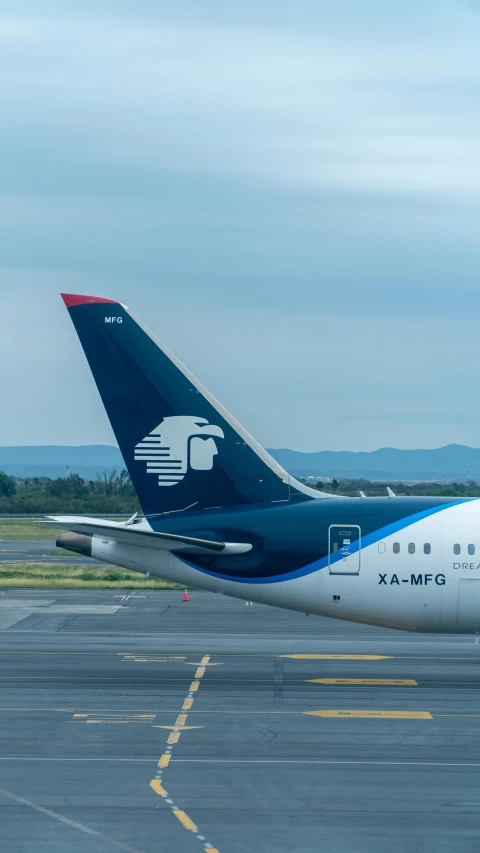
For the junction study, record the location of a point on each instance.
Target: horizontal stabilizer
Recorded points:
(130, 535)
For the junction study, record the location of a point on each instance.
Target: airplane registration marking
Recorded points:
(379, 682)
(390, 715)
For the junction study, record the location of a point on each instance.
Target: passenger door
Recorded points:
(344, 547)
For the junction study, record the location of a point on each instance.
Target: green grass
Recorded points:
(76, 577)
(27, 529)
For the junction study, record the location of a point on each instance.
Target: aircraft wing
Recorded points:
(128, 535)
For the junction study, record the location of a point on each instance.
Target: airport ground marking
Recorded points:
(245, 760)
(337, 657)
(114, 717)
(176, 730)
(163, 658)
(185, 820)
(157, 786)
(368, 682)
(206, 711)
(227, 712)
(362, 714)
(146, 658)
(72, 823)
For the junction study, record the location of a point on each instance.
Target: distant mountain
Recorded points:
(59, 460)
(455, 461)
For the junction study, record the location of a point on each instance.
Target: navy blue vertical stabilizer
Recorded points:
(182, 449)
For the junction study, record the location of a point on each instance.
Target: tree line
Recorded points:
(351, 488)
(112, 492)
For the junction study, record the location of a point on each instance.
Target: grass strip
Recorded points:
(28, 530)
(58, 576)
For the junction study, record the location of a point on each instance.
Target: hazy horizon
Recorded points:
(293, 449)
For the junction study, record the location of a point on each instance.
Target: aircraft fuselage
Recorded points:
(410, 563)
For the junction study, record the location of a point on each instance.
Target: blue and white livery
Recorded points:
(222, 515)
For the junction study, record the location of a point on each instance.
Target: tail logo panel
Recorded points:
(177, 445)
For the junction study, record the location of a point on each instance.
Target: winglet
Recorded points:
(72, 299)
(391, 493)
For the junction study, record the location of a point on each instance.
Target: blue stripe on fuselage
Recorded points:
(322, 563)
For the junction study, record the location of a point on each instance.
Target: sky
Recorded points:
(286, 191)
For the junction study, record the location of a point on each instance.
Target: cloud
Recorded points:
(265, 105)
(298, 182)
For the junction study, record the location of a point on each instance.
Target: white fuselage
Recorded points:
(424, 577)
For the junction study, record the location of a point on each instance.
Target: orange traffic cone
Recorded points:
(185, 595)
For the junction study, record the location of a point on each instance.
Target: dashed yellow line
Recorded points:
(157, 786)
(173, 738)
(185, 820)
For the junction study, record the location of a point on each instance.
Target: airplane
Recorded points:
(220, 514)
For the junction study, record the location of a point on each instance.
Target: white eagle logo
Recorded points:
(176, 445)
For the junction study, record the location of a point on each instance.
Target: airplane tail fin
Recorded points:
(183, 450)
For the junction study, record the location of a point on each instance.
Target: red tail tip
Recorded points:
(72, 299)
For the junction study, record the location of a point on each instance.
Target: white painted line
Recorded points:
(49, 813)
(36, 758)
(320, 761)
(86, 829)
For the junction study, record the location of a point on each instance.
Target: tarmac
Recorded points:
(139, 722)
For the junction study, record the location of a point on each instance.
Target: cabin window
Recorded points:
(381, 547)
(411, 547)
(471, 549)
(456, 548)
(427, 548)
(396, 547)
